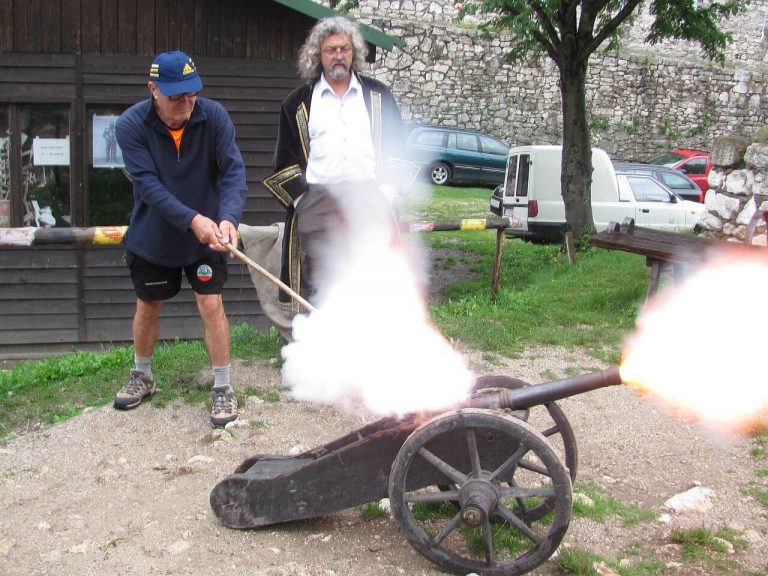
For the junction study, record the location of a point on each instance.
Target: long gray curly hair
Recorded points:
(310, 66)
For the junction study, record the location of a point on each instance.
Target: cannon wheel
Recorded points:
(488, 505)
(560, 428)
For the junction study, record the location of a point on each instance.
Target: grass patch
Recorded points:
(606, 506)
(372, 511)
(55, 389)
(577, 561)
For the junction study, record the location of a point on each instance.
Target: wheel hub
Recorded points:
(477, 497)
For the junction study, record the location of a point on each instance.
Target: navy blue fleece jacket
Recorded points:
(206, 176)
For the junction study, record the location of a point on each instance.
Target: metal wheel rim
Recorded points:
(439, 174)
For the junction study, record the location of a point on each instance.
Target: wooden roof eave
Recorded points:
(318, 12)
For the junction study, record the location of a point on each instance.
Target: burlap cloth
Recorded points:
(264, 245)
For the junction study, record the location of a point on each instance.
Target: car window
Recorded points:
(430, 138)
(695, 166)
(493, 146)
(452, 140)
(676, 181)
(666, 159)
(467, 142)
(517, 175)
(648, 190)
(511, 184)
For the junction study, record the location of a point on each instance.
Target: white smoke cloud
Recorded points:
(370, 339)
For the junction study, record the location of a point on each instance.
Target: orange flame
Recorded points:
(699, 348)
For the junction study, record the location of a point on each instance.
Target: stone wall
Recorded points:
(640, 103)
(738, 188)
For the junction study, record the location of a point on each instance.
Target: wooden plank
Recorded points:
(187, 27)
(37, 60)
(34, 26)
(27, 307)
(145, 30)
(6, 26)
(37, 292)
(161, 27)
(127, 26)
(51, 26)
(52, 321)
(174, 25)
(213, 38)
(201, 29)
(70, 27)
(38, 336)
(20, 26)
(109, 26)
(228, 20)
(252, 30)
(91, 26)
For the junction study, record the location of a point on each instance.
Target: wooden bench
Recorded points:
(680, 251)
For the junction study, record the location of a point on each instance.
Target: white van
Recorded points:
(531, 196)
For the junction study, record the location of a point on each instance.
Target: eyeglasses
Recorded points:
(177, 97)
(332, 51)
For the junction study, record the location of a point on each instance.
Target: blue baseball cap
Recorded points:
(175, 73)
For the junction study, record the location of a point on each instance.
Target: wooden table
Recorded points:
(660, 248)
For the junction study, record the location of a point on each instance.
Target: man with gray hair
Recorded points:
(337, 133)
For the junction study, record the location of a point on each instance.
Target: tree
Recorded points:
(569, 32)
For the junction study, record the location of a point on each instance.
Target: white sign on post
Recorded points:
(50, 151)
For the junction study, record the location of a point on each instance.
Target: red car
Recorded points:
(694, 163)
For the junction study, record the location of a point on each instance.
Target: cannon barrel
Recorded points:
(524, 398)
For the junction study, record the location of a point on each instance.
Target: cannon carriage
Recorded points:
(453, 479)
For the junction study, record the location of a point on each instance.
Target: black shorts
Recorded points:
(153, 282)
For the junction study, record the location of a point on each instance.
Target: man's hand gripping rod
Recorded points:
(267, 274)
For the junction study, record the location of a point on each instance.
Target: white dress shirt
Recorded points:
(340, 149)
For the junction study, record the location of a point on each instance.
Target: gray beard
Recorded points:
(338, 72)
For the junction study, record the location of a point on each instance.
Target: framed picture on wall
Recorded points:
(106, 152)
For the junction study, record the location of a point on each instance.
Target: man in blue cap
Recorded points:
(189, 189)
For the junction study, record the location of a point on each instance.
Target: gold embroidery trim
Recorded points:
(277, 181)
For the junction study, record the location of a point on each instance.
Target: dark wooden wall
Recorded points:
(214, 28)
(85, 52)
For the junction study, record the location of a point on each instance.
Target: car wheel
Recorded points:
(440, 174)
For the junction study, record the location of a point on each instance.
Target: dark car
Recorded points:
(694, 163)
(676, 180)
(449, 155)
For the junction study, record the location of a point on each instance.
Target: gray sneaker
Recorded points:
(224, 406)
(138, 387)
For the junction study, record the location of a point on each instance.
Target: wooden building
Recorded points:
(67, 69)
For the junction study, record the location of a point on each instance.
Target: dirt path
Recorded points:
(120, 493)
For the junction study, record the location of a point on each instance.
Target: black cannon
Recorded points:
(453, 479)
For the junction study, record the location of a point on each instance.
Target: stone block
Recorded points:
(737, 183)
(715, 178)
(756, 156)
(728, 151)
(746, 213)
(724, 206)
(710, 222)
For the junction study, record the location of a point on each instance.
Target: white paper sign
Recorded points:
(50, 151)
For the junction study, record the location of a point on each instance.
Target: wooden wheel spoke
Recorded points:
(510, 517)
(447, 496)
(447, 529)
(551, 431)
(538, 468)
(519, 493)
(488, 541)
(443, 466)
(508, 464)
(474, 455)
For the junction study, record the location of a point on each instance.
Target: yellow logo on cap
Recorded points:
(187, 70)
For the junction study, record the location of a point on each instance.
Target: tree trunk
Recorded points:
(576, 169)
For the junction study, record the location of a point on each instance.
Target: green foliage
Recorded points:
(606, 506)
(371, 511)
(697, 543)
(577, 561)
(54, 389)
(667, 130)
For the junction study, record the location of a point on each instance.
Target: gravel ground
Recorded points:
(117, 493)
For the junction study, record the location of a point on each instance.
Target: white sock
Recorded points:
(144, 364)
(221, 377)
